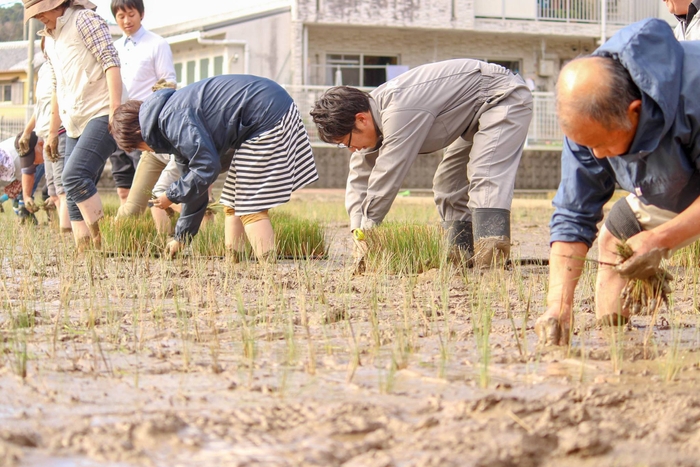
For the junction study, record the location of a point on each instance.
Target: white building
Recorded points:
(308, 45)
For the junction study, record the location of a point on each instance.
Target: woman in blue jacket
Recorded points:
(245, 124)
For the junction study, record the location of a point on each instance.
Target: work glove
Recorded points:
(642, 266)
(23, 143)
(173, 248)
(51, 148)
(359, 252)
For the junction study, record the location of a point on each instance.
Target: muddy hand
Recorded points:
(51, 148)
(642, 266)
(359, 252)
(23, 143)
(173, 248)
(30, 205)
(551, 331)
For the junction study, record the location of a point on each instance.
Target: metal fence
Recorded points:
(544, 128)
(12, 119)
(618, 12)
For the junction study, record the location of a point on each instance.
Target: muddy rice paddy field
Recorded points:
(109, 360)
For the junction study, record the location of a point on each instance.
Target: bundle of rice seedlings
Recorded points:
(644, 296)
(404, 248)
(297, 238)
(132, 236)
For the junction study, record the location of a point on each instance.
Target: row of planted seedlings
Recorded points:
(398, 253)
(295, 237)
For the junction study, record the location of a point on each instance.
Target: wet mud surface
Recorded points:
(150, 362)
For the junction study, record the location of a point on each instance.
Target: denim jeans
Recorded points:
(85, 159)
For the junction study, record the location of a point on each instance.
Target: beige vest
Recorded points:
(81, 84)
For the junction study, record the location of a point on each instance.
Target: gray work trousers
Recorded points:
(478, 169)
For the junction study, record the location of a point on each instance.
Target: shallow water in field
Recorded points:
(132, 362)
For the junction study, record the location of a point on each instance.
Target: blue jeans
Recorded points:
(85, 160)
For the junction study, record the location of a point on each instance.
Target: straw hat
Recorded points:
(34, 7)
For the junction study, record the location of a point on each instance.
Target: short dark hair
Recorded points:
(334, 113)
(125, 127)
(124, 4)
(608, 104)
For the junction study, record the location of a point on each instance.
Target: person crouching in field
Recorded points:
(631, 118)
(245, 124)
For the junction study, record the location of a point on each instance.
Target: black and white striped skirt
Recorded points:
(266, 170)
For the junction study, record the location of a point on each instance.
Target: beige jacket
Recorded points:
(81, 84)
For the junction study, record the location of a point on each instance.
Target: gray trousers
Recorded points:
(54, 170)
(478, 170)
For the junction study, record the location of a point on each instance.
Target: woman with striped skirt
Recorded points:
(245, 124)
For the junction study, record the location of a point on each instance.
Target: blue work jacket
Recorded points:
(663, 164)
(203, 124)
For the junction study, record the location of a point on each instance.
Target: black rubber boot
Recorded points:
(460, 240)
(491, 237)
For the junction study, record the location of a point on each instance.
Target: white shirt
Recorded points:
(42, 110)
(145, 58)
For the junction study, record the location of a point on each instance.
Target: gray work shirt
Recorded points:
(419, 112)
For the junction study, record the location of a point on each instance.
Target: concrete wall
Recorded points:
(538, 170)
(435, 14)
(416, 47)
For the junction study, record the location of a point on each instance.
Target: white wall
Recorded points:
(269, 49)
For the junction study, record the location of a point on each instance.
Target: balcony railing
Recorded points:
(544, 129)
(13, 119)
(619, 12)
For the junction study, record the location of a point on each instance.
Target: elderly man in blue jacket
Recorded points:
(631, 116)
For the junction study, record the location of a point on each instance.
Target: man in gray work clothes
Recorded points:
(478, 112)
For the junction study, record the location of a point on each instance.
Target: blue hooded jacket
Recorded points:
(203, 124)
(663, 164)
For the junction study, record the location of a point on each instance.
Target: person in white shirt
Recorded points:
(146, 58)
(686, 12)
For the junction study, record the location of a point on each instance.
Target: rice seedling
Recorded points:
(482, 315)
(687, 257)
(18, 355)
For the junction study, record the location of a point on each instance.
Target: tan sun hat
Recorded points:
(34, 7)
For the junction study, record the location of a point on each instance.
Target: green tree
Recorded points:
(11, 22)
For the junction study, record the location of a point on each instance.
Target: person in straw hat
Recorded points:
(88, 87)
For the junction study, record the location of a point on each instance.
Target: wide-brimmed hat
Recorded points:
(34, 7)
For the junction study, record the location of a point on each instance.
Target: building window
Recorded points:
(178, 72)
(218, 65)
(7, 93)
(512, 65)
(357, 69)
(191, 65)
(203, 68)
